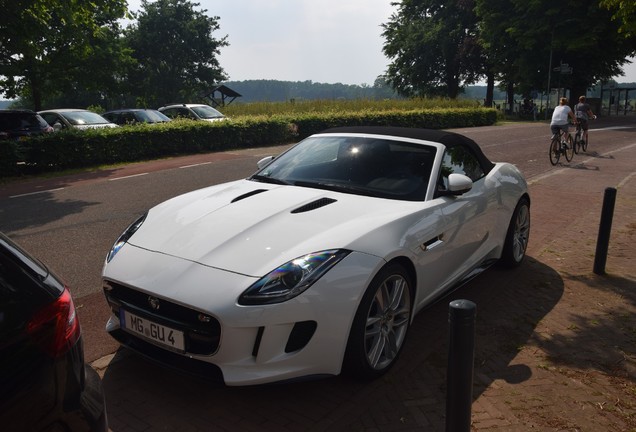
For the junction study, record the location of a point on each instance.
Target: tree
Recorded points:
(625, 13)
(52, 46)
(433, 46)
(175, 52)
(528, 39)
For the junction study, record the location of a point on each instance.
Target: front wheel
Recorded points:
(577, 142)
(569, 149)
(518, 234)
(555, 151)
(380, 324)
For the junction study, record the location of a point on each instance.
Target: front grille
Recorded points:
(201, 337)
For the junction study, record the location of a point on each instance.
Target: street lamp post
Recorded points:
(547, 102)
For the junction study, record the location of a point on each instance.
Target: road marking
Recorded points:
(195, 165)
(626, 180)
(35, 193)
(126, 177)
(612, 128)
(559, 171)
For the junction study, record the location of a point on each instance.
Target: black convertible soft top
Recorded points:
(449, 139)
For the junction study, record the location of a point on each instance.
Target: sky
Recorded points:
(324, 41)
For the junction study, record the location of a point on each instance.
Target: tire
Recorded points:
(518, 234)
(380, 325)
(555, 151)
(569, 151)
(577, 142)
(584, 143)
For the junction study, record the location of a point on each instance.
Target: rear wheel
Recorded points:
(517, 235)
(585, 141)
(555, 151)
(380, 325)
(569, 149)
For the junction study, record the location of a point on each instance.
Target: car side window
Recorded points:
(170, 112)
(459, 160)
(186, 113)
(127, 118)
(52, 119)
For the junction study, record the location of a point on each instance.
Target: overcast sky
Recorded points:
(325, 41)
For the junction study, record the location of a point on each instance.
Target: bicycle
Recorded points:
(581, 138)
(561, 144)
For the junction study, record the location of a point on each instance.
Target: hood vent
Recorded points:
(249, 194)
(314, 205)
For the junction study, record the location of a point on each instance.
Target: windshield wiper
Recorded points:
(336, 187)
(272, 180)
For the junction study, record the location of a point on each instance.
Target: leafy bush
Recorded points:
(94, 147)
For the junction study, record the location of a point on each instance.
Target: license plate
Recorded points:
(157, 333)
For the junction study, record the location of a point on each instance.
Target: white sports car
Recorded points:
(318, 262)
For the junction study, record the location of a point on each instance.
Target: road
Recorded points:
(72, 221)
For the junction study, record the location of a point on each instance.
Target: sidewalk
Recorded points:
(555, 343)
(577, 370)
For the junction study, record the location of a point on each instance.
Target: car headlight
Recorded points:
(127, 234)
(292, 278)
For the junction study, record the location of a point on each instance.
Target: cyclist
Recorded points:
(560, 118)
(583, 114)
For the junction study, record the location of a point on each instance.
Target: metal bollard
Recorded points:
(602, 243)
(461, 355)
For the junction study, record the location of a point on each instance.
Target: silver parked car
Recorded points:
(192, 111)
(71, 118)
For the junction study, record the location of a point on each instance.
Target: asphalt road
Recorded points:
(71, 222)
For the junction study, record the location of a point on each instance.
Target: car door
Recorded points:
(469, 223)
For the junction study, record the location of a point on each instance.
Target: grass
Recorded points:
(336, 106)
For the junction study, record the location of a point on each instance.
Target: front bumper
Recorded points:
(302, 337)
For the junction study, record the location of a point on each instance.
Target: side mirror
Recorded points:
(265, 161)
(57, 126)
(459, 184)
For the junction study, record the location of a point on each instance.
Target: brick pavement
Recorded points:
(555, 343)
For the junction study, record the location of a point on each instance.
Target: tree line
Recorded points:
(61, 53)
(440, 46)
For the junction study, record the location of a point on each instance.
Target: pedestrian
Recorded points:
(560, 118)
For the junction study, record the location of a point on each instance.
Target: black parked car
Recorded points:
(134, 116)
(20, 124)
(44, 383)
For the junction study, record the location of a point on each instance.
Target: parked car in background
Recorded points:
(319, 261)
(20, 124)
(134, 116)
(45, 384)
(192, 111)
(62, 119)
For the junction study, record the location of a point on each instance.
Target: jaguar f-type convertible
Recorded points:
(317, 263)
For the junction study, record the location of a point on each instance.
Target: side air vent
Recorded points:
(249, 194)
(314, 205)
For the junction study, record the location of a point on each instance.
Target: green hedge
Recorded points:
(80, 149)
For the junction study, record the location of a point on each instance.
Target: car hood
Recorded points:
(251, 228)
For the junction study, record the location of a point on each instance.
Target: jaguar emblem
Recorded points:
(154, 302)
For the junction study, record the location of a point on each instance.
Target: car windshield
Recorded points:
(78, 118)
(368, 166)
(148, 116)
(206, 112)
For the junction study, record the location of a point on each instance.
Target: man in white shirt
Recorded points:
(560, 117)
